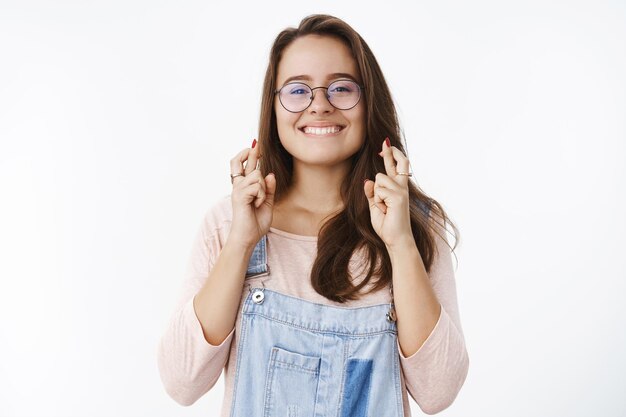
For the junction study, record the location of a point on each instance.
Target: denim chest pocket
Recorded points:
(257, 266)
(291, 384)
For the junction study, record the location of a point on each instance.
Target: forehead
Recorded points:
(316, 56)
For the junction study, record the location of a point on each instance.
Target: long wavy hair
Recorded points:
(350, 229)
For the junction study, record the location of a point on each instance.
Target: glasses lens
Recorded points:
(344, 94)
(295, 96)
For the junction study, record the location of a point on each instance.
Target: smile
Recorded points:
(321, 131)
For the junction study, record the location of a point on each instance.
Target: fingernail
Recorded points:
(365, 180)
(387, 142)
(253, 143)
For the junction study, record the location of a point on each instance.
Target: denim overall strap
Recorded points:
(258, 261)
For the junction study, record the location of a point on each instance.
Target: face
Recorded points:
(316, 60)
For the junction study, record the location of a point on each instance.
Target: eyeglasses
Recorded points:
(341, 94)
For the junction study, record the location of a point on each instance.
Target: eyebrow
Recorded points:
(333, 75)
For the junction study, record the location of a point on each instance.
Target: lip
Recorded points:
(320, 124)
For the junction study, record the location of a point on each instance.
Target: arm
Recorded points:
(429, 328)
(431, 344)
(196, 344)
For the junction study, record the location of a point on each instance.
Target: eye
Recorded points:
(297, 89)
(343, 86)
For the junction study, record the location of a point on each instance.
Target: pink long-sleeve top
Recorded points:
(190, 366)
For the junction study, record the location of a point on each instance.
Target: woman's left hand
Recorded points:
(388, 198)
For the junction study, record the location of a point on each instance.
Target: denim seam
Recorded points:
(268, 382)
(240, 352)
(396, 377)
(319, 377)
(296, 367)
(369, 389)
(346, 348)
(352, 335)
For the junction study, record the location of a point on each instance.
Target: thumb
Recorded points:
(270, 188)
(368, 187)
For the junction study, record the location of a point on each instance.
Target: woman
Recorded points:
(318, 292)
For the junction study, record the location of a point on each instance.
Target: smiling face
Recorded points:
(338, 134)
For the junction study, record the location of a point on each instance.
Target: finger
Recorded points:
(260, 198)
(390, 163)
(270, 188)
(368, 187)
(236, 165)
(402, 165)
(372, 200)
(386, 181)
(253, 192)
(391, 198)
(253, 158)
(384, 195)
(261, 182)
(254, 177)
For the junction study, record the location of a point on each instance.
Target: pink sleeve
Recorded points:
(435, 373)
(189, 365)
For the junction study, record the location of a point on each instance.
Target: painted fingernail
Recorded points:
(365, 180)
(387, 142)
(253, 143)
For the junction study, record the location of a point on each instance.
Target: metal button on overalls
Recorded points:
(258, 296)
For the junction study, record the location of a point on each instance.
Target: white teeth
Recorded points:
(322, 130)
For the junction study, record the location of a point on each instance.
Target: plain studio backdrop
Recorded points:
(117, 123)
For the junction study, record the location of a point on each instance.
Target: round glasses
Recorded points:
(341, 94)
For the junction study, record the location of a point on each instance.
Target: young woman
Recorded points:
(323, 284)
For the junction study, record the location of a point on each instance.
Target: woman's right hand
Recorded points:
(252, 199)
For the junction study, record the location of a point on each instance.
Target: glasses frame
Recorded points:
(312, 97)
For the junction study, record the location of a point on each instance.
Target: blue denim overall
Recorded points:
(298, 358)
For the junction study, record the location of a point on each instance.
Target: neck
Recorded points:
(316, 188)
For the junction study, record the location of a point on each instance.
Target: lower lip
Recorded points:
(313, 135)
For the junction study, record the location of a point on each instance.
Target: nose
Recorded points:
(320, 103)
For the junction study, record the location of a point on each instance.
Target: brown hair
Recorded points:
(350, 229)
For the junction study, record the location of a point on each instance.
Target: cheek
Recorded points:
(358, 118)
(285, 119)
(359, 113)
